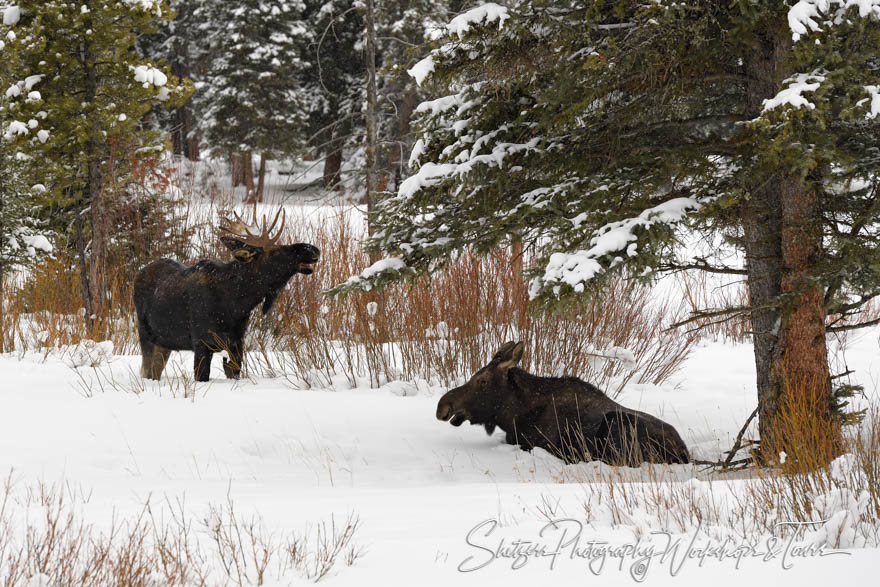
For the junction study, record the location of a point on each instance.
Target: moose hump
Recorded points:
(566, 416)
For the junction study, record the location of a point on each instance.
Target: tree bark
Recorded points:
(94, 190)
(402, 143)
(3, 309)
(184, 139)
(802, 354)
(333, 169)
(762, 239)
(247, 162)
(261, 177)
(371, 115)
(236, 169)
(80, 243)
(782, 236)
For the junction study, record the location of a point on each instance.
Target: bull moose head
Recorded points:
(248, 246)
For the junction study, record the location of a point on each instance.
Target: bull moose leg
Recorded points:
(160, 358)
(202, 359)
(154, 362)
(153, 359)
(232, 365)
(147, 348)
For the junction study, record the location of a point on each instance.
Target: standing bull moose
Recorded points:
(563, 415)
(205, 307)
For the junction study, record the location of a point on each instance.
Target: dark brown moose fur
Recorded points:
(205, 307)
(563, 415)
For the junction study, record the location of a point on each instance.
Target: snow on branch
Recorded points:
(384, 269)
(149, 75)
(484, 14)
(446, 103)
(808, 16)
(874, 93)
(422, 69)
(577, 268)
(458, 27)
(792, 95)
(431, 174)
(11, 15)
(154, 6)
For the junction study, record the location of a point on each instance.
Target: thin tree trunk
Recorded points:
(94, 189)
(184, 139)
(371, 115)
(401, 143)
(333, 169)
(261, 176)
(3, 304)
(235, 170)
(80, 243)
(248, 165)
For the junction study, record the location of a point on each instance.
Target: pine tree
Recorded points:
(22, 238)
(182, 43)
(402, 27)
(78, 109)
(333, 80)
(593, 130)
(251, 99)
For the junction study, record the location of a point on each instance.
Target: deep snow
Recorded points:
(418, 485)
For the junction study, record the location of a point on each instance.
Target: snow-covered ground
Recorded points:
(436, 504)
(419, 486)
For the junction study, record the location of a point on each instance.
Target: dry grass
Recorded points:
(704, 293)
(44, 540)
(440, 328)
(838, 500)
(446, 326)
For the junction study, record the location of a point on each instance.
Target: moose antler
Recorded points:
(241, 230)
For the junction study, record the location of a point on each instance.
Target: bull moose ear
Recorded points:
(509, 355)
(240, 250)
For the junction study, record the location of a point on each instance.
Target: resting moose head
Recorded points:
(563, 415)
(205, 307)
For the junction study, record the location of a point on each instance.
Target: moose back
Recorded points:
(563, 415)
(205, 307)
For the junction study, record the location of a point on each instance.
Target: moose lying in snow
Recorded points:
(205, 307)
(563, 415)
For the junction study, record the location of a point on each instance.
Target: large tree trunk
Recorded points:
(803, 419)
(782, 236)
(762, 239)
(3, 348)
